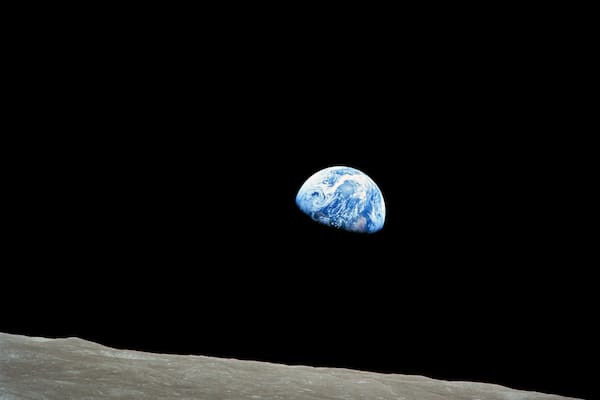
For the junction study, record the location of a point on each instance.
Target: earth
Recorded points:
(343, 197)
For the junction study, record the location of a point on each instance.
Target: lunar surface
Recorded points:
(72, 368)
(343, 197)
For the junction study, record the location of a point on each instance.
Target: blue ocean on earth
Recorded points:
(343, 197)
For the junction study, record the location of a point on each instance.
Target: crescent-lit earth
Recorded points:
(343, 197)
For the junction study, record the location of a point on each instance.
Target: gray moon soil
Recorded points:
(72, 368)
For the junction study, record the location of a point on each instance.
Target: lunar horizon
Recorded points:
(72, 368)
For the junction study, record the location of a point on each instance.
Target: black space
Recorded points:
(155, 209)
